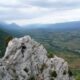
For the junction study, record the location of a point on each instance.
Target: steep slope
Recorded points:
(3, 36)
(26, 59)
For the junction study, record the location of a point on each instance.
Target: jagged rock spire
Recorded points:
(26, 59)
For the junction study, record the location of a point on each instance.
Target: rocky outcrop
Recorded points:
(26, 59)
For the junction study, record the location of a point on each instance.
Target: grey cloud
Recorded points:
(14, 6)
(58, 4)
(13, 14)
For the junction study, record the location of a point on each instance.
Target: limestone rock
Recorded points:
(26, 59)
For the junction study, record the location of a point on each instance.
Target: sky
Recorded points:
(23, 12)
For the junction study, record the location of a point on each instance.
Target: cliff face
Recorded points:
(26, 59)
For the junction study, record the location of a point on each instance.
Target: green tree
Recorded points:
(7, 39)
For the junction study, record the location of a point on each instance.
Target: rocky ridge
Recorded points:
(26, 59)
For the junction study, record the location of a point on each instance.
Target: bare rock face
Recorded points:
(26, 59)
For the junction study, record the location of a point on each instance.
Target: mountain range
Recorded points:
(66, 25)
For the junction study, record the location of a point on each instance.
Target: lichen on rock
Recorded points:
(26, 59)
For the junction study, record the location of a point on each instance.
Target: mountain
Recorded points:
(6, 26)
(10, 28)
(16, 29)
(26, 59)
(66, 25)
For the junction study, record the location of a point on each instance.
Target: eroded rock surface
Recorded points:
(26, 59)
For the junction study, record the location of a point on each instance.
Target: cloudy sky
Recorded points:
(39, 11)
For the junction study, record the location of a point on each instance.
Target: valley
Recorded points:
(63, 42)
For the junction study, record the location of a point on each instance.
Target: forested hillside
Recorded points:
(4, 37)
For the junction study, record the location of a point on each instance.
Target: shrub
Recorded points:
(31, 78)
(7, 39)
(53, 74)
(43, 67)
(26, 70)
(70, 73)
(50, 55)
(51, 78)
(64, 73)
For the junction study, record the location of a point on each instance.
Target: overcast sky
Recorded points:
(39, 11)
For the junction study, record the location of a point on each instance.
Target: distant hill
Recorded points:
(6, 26)
(10, 28)
(16, 29)
(66, 25)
